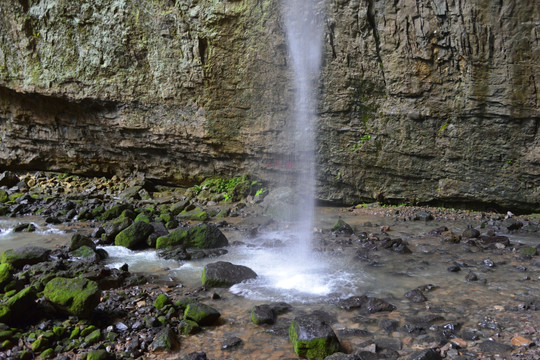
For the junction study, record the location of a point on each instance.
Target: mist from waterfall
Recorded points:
(304, 29)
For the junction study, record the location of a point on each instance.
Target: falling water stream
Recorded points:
(304, 30)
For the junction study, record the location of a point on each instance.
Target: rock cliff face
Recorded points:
(421, 101)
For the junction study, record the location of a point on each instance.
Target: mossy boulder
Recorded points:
(188, 327)
(312, 337)
(225, 274)
(26, 255)
(161, 301)
(178, 237)
(114, 212)
(135, 235)
(342, 227)
(202, 236)
(79, 240)
(196, 214)
(143, 217)
(77, 297)
(87, 254)
(6, 275)
(202, 314)
(206, 236)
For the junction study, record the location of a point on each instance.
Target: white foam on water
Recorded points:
(146, 261)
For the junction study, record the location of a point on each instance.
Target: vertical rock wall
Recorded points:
(426, 101)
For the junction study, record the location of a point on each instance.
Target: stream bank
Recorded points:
(457, 284)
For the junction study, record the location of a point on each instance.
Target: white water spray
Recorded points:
(304, 27)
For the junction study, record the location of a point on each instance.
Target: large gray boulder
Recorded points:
(225, 274)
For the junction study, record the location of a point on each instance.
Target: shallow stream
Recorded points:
(494, 305)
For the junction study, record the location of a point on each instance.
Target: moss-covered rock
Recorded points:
(206, 236)
(6, 275)
(312, 338)
(79, 240)
(4, 197)
(188, 327)
(76, 297)
(93, 337)
(161, 301)
(5, 314)
(196, 214)
(177, 237)
(47, 354)
(202, 314)
(134, 236)
(114, 212)
(263, 314)
(343, 227)
(26, 255)
(143, 217)
(100, 354)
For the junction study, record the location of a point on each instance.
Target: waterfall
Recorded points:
(304, 29)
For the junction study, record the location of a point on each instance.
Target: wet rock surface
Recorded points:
(161, 318)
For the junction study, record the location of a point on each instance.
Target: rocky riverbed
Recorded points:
(415, 283)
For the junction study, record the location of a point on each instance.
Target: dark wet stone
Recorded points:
(470, 233)
(343, 333)
(342, 356)
(415, 296)
(231, 343)
(280, 307)
(225, 274)
(389, 325)
(397, 245)
(423, 216)
(8, 179)
(471, 277)
(365, 304)
(512, 224)
(471, 335)
(263, 314)
(439, 230)
(195, 356)
(494, 347)
(388, 343)
(205, 253)
(178, 253)
(488, 240)
(165, 340)
(312, 337)
(342, 227)
(454, 268)
(24, 227)
(428, 354)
